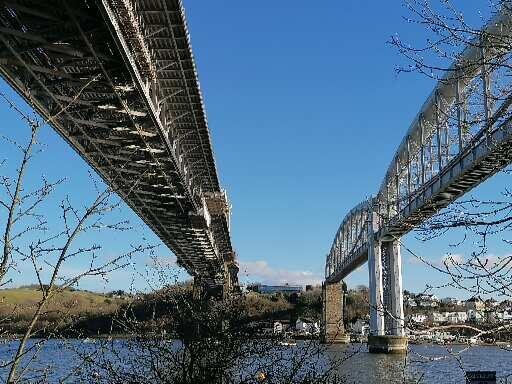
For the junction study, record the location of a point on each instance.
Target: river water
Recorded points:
(429, 364)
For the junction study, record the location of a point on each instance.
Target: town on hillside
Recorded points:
(428, 317)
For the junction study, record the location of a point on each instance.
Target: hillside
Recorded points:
(17, 306)
(77, 312)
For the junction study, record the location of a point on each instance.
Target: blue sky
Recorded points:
(306, 111)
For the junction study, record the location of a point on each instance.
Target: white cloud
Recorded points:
(452, 260)
(414, 260)
(485, 261)
(260, 271)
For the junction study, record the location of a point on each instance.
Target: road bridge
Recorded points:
(461, 136)
(117, 80)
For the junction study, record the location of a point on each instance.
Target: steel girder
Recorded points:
(119, 84)
(461, 136)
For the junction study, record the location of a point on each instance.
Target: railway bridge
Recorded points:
(117, 80)
(461, 136)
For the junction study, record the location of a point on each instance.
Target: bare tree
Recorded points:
(177, 338)
(30, 238)
(449, 33)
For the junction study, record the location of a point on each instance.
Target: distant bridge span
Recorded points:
(117, 80)
(461, 136)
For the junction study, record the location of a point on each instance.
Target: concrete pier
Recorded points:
(387, 334)
(333, 330)
(387, 344)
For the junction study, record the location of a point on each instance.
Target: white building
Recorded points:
(456, 317)
(451, 301)
(449, 317)
(428, 297)
(307, 328)
(411, 303)
(418, 318)
(278, 327)
(504, 316)
(437, 317)
(360, 327)
(475, 315)
(428, 304)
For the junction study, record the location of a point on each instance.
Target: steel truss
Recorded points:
(117, 80)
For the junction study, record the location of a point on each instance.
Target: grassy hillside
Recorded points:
(30, 296)
(18, 305)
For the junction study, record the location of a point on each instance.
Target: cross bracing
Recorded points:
(117, 80)
(461, 136)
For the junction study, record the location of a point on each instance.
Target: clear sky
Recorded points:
(305, 111)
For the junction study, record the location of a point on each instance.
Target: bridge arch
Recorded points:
(461, 136)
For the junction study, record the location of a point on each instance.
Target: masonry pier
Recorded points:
(333, 330)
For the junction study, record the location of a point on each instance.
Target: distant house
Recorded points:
(507, 315)
(307, 328)
(475, 303)
(428, 304)
(360, 327)
(437, 317)
(269, 289)
(456, 317)
(418, 318)
(451, 301)
(428, 300)
(411, 303)
(278, 327)
(475, 316)
(428, 297)
(499, 316)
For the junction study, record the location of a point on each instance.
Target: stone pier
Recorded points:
(333, 330)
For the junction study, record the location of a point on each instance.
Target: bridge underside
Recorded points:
(117, 80)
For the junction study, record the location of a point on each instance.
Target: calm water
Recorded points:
(427, 364)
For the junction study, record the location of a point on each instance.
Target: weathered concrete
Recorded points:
(333, 330)
(387, 344)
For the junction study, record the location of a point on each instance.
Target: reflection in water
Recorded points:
(426, 364)
(359, 366)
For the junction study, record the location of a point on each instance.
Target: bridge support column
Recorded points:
(198, 289)
(375, 279)
(387, 334)
(333, 330)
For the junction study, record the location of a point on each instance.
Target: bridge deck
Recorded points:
(117, 80)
